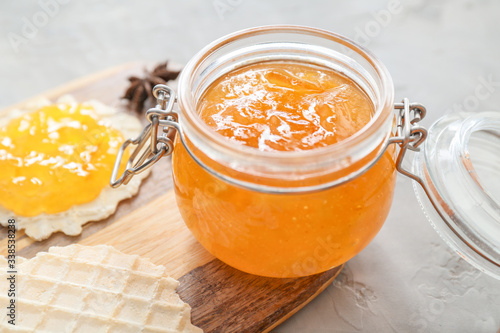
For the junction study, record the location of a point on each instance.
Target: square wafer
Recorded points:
(93, 289)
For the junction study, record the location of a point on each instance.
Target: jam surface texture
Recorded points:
(285, 107)
(54, 158)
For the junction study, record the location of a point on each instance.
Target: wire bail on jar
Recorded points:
(162, 115)
(409, 135)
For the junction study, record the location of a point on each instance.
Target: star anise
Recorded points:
(141, 89)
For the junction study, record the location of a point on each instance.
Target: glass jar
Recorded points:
(285, 218)
(280, 214)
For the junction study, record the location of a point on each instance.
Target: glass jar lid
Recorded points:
(459, 170)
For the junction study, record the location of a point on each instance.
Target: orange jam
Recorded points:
(54, 158)
(279, 106)
(285, 106)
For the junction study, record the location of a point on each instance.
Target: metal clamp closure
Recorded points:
(142, 158)
(409, 135)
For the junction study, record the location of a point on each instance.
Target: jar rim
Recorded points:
(288, 160)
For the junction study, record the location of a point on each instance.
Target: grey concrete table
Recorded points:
(439, 53)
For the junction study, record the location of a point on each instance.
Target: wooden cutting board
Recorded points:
(222, 298)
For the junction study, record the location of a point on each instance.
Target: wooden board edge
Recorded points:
(72, 85)
(225, 294)
(316, 294)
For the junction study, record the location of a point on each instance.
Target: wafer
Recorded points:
(93, 289)
(71, 221)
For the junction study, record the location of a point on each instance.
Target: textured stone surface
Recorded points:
(406, 279)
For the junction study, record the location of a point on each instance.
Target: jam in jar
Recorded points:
(282, 164)
(281, 107)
